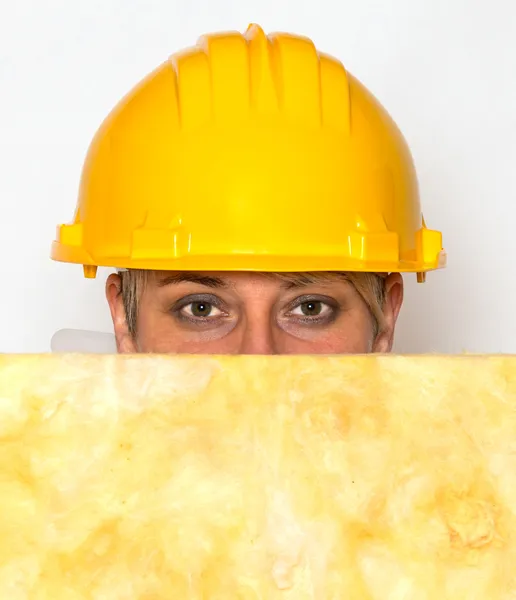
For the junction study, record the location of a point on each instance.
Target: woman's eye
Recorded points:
(311, 308)
(201, 309)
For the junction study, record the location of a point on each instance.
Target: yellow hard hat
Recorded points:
(250, 153)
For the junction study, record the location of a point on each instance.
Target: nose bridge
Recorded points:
(258, 335)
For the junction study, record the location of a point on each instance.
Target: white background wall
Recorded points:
(445, 69)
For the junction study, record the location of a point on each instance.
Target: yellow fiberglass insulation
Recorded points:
(260, 478)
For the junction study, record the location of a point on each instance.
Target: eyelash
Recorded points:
(325, 304)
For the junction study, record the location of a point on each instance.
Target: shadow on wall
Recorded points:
(82, 341)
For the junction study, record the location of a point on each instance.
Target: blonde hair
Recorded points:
(370, 286)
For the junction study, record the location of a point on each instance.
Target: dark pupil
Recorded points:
(201, 309)
(311, 308)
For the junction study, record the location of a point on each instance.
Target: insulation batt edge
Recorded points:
(187, 477)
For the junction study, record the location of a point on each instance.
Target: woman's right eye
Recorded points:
(200, 310)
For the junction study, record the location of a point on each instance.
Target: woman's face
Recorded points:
(253, 313)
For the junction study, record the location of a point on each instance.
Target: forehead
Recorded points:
(233, 279)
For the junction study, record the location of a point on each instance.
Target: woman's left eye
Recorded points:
(311, 308)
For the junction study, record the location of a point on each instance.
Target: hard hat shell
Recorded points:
(249, 153)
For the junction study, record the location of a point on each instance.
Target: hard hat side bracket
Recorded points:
(90, 271)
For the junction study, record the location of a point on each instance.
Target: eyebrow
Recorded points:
(190, 277)
(299, 280)
(288, 281)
